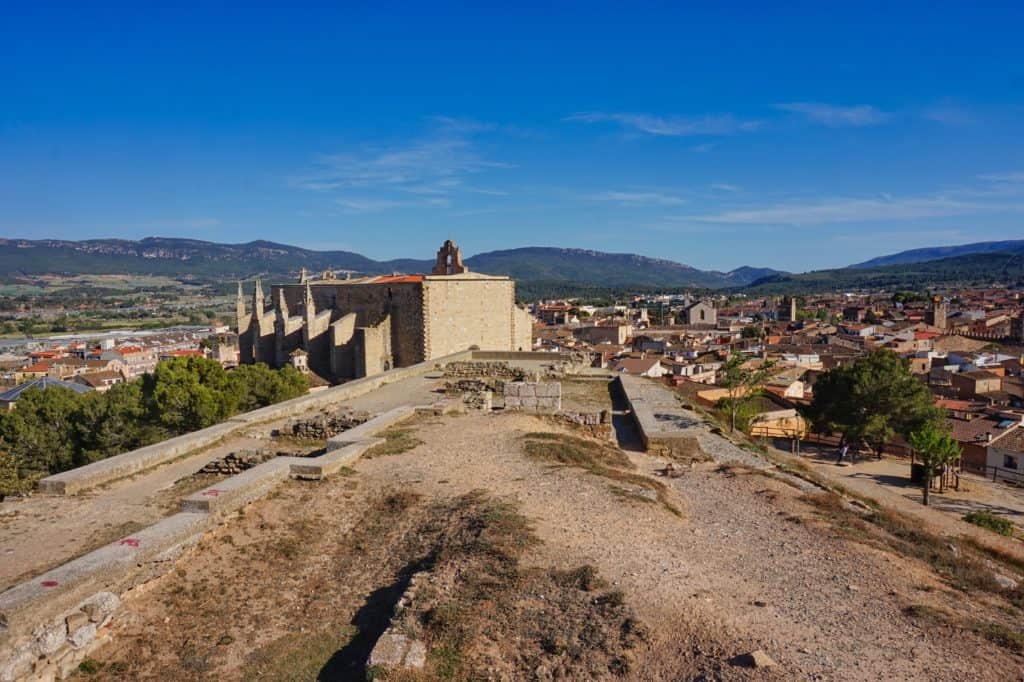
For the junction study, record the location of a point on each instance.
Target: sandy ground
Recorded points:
(748, 566)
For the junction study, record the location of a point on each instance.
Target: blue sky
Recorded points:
(727, 135)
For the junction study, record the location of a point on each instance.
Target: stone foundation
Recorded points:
(324, 426)
(237, 462)
(597, 424)
(487, 370)
(533, 397)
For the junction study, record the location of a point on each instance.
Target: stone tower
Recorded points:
(241, 321)
(936, 317)
(449, 260)
(787, 311)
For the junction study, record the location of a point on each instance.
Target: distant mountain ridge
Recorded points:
(190, 257)
(938, 252)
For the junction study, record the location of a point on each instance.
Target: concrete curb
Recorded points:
(315, 468)
(128, 463)
(240, 489)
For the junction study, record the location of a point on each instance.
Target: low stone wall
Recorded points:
(128, 463)
(521, 356)
(660, 420)
(483, 370)
(533, 397)
(43, 635)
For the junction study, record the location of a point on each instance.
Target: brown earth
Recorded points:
(300, 584)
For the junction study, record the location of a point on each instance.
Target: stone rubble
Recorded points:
(325, 425)
(395, 649)
(237, 462)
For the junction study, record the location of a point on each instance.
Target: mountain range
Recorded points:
(185, 257)
(541, 271)
(939, 252)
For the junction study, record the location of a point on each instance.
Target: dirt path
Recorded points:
(748, 566)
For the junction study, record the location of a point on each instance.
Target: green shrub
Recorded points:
(996, 524)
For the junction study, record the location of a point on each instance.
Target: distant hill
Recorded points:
(210, 260)
(938, 252)
(975, 269)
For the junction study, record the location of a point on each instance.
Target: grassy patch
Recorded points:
(483, 610)
(1002, 635)
(396, 441)
(990, 521)
(594, 457)
(298, 656)
(586, 395)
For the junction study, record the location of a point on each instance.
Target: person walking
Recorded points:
(842, 453)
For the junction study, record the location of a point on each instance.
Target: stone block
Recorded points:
(238, 490)
(76, 620)
(101, 605)
(18, 664)
(389, 651)
(49, 638)
(83, 635)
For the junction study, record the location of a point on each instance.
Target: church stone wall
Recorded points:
(371, 303)
(522, 329)
(465, 311)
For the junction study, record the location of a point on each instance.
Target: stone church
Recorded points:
(350, 328)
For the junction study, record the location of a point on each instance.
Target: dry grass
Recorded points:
(482, 610)
(397, 439)
(597, 458)
(961, 567)
(586, 395)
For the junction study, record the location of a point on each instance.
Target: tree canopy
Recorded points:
(936, 449)
(54, 430)
(872, 400)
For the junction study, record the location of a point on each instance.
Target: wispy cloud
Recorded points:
(725, 187)
(948, 113)
(638, 198)
(367, 205)
(834, 116)
(434, 166)
(704, 148)
(672, 126)
(1008, 178)
(842, 210)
